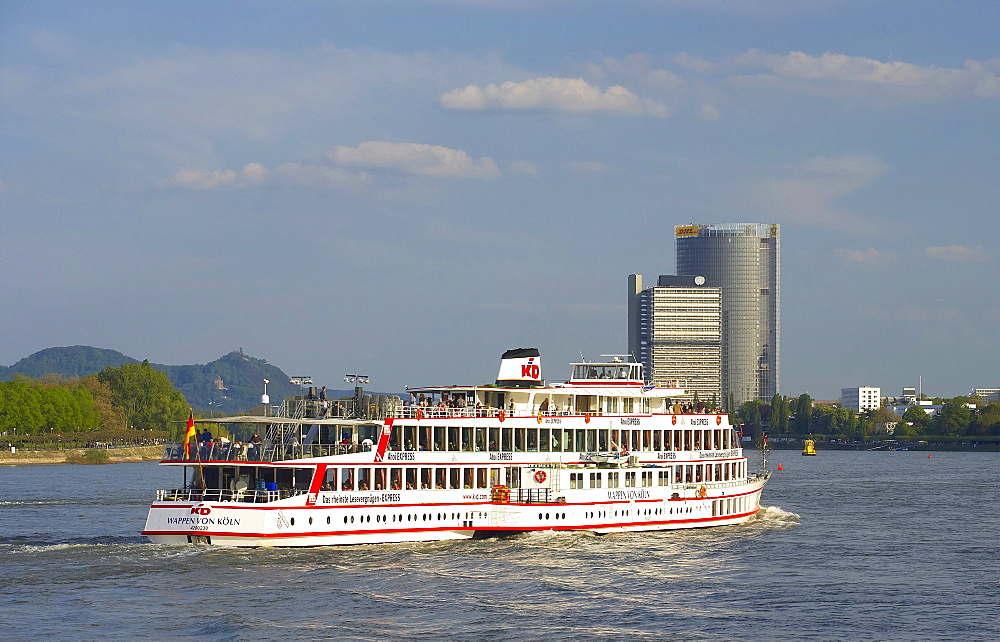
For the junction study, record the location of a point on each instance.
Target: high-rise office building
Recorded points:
(675, 332)
(743, 260)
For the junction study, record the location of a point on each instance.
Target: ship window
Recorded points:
(595, 480)
(532, 440)
(612, 480)
(494, 439)
(481, 478)
(409, 437)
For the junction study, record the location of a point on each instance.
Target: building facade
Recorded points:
(861, 399)
(675, 332)
(743, 260)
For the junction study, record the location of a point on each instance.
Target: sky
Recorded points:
(406, 189)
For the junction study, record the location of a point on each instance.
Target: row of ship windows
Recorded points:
(719, 507)
(681, 474)
(453, 477)
(424, 517)
(468, 439)
(730, 505)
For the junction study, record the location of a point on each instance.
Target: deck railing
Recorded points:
(266, 451)
(225, 495)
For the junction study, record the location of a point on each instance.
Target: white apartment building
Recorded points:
(675, 331)
(861, 399)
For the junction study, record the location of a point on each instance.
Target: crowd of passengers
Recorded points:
(459, 401)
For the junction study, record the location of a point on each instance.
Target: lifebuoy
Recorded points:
(718, 420)
(702, 492)
(586, 418)
(539, 417)
(420, 414)
(502, 415)
(673, 420)
(540, 476)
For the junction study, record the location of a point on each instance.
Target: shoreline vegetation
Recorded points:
(125, 454)
(81, 456)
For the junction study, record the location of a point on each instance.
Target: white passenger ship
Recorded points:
(602, 452)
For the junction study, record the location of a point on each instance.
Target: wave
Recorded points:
(36, 542)
(776, 517)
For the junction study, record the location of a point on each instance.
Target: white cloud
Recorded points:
(957, 253)
(808, 193)
(640, 67)
(841, 74)
(416, 158)
(709, 112)
(866, 257)
(322, 176)
(559, 94)
(251, 174)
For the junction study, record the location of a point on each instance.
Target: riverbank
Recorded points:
(77, 455)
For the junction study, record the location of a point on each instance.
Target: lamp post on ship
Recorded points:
(301, 381)
(356, 379)
(265, 400)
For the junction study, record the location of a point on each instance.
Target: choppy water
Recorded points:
(869, 545)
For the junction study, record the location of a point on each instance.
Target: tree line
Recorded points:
(798, 417)
(133, 397)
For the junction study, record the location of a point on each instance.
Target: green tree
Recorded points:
(148, 399)
(986, 421)
(750, 415)
(917, 418)
(954, 418)
(779, 415)
(803, 410)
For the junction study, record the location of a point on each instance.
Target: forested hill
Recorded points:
(231, 384)
(74, 361)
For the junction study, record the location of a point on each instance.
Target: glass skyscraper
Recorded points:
(743, 260)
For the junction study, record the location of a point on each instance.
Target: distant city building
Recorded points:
(928, 407)
(742, 259)
(861, 399)
(675, 332)
(988, 395)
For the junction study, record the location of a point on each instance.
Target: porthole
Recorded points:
(327, 519)
(546, 515)
(539, 517)
(292, 521)
(352, 519)
(310, 521)
(345, 519)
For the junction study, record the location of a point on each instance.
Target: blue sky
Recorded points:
(407, 189)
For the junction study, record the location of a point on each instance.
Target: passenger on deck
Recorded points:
(544, 407)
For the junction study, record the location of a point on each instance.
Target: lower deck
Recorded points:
(290, 522)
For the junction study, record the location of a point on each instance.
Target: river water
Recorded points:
(850, 545)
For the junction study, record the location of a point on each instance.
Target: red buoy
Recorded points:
(929, 455)
(779, 467)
